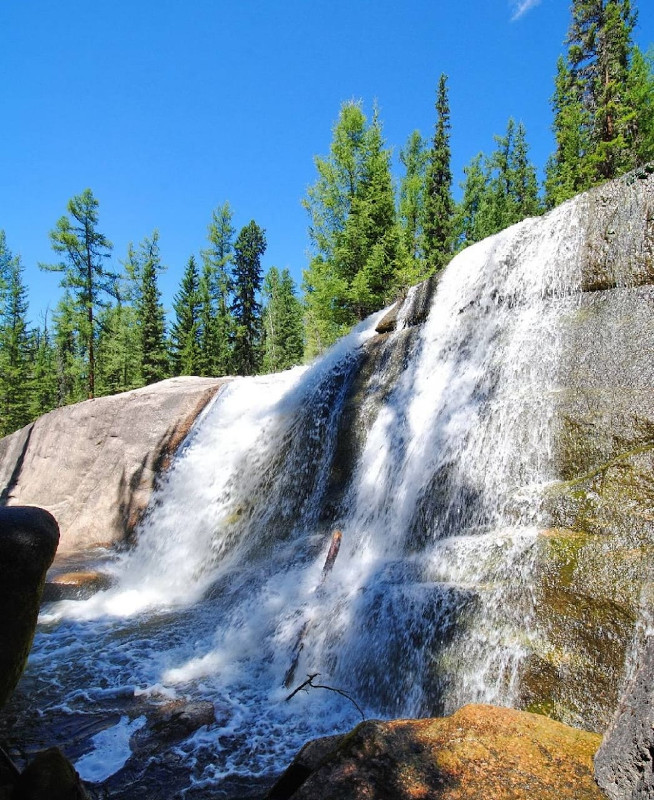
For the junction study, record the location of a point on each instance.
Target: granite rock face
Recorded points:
(480, 752)
(28, 542)
(94, 464)
(624, 765)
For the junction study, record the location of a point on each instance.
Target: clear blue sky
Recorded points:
(166, 109)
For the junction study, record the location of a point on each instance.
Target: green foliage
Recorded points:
(499, 190)
(217, 323)
(603, 101)
(438, 209)
(43, 394)
(359, 253)
(246, 310)
(185, 334)
(70, 351)
(14, 343)
(283, 329)
(414, 158)
(149, 314)
(84, 250)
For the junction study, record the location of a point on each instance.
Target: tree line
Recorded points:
(370, 240)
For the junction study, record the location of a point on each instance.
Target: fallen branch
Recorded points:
(309, 682)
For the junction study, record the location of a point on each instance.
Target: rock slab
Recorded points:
(93, 465)
(624, 764)
(480, 752)
(28, 542)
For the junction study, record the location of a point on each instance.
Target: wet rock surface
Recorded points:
(480, 752)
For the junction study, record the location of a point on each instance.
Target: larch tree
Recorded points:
(246, 309)
(85, 250)
(438, 212)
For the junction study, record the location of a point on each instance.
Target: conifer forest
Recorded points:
(371, 236)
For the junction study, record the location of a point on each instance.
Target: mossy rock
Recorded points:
(480, 752)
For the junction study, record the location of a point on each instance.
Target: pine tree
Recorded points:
(217, 323)
(14, 343)
(185, 333)
(438, 202)
(282, 322)
(84, 250)
(640, 97)
(117, 349)
(246, 310)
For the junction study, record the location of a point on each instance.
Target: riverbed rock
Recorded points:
(94, 464)
(480, 752)
(28, 542)
(49, 776)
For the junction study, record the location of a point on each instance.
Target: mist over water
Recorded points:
(428, 451)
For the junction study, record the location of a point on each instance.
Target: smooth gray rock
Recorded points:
(624, 764)
(28, 542)
(94, 464)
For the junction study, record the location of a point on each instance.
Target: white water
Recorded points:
(428, 603)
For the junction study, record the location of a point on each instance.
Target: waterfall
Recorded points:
(427, 449)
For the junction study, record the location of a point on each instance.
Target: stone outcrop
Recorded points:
(480, 752)
(94, 464)
(624, 765)
(28, 541)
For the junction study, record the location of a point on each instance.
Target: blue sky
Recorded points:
(166, 109)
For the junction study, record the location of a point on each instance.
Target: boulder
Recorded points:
(94, 464)
(480, 752)
(28, 542)
(49, 776)
(624, 764)
(75, 585)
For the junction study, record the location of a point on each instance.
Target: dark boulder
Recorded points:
(28, 542)
(49, 776)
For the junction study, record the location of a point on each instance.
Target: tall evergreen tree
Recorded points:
(246, 310)
(438, 203)
(150, 313)
(43, 393)
(358, 249)
(185, 332)
(217, 322)
(596, 119)
(14, 343)
(414, 158)
(84, 250)
(70, 351)
(282, 322)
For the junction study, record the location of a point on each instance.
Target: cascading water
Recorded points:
(427, 451)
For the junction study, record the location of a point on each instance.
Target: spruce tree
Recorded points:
(414, 158)
(185, 334)
(150, 314)
(84, 250)
(282, 322)
(217, 322)
(70, 351)
(14, 343)
(43, 392)
(246, 310)
(438, 202)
